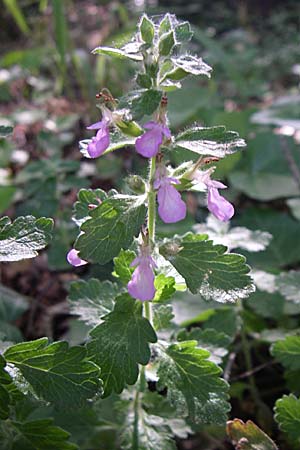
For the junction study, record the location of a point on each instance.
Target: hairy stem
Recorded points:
(151, 202)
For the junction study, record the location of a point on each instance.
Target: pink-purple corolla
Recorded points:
(141, 286)
(149, 143)
(171, 207)
(221, 208)
(101, 141)
(74, 259)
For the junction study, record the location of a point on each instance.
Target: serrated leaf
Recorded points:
(194, 385)
(117, 53)
(212, 141)
(288, 284)
(122, 265)
(162, 317)
(247, 436)
(215, 342)
(41, 434)
(23, 238)
(154, 427)
(147, 30)
(5, 131)
(120, 343)
(207, 269)
(111, 227)
(165, 287)
(92, 299)
(288, 352)
(58, 373)
(185, 65)
(87, 198)
(287, 415)
(235, 237)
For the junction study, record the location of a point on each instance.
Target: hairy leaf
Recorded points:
(209, 339)
(122, 265)
(194, 385)
(23, 238)
(87, 200)
(213, 141)
(117, 53)
(162, 316)
(155, 426)
(92, 299)
(207, 269)
(120, 343)
(111, 227)
(58, 373)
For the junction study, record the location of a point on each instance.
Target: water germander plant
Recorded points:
(140, 380)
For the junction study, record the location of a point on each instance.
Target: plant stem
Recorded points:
(151, 202)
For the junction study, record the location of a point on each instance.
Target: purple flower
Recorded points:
(74, 260)
(221, 208)
(148, 144)
(171, 207)
(100, 142)
(141, 285)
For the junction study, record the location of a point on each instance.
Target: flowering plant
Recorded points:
(161, 379)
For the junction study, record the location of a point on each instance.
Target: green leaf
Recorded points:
(247, 436)
(24, 237)
(215, 342)
(147, 29)
(92, 299)
(194, 385)
(144, 80)
(212, 141)
(41, 434)
(122, 265)
(287, 415)
(57, 373)
(183, 32)
(111, 227)
(288, 352)
(166, 24)
(162, 317)
(117, 53)
(165, 288)
(185, 65)
(166, 43)
(145, 103)
(5, 131)
(155, 425)
(288, 284)
(87, 198)
(207, 269)
(120, 343)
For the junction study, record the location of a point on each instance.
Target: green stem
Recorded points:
(151, 202)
